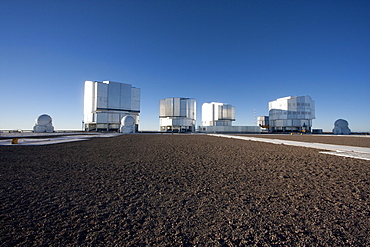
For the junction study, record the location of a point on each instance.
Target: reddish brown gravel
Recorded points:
(181, 190)
(357, 141)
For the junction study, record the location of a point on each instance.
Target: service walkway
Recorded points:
(47, 138)
(339, 150)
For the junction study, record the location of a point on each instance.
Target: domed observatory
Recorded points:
(43, 124)
(341, 127)
(127, 125)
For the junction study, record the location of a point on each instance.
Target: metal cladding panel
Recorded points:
(176, 107)
(135, 99)
(169, 108)
(313, 109)
(279, 122)
(224, 112)
(182, 122)
(135, 93)
(296, 122)
(125, 96)
(102, 126)
(176, 122)
(217, 112)
(162, 108)
(114, 118)
(233, 129)
(228, 112)
(183, 108)
(114, 94)
(223, 123)
(187, 108)
(191, 110)
(232, 112)
(101, 117)
(135, 105)
(101, 95)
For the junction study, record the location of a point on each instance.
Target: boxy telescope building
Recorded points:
(291, 114)
(218, 118)
(107, 103)
(217, 114)
(177, 114)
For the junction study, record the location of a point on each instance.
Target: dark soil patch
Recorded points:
(181, 190)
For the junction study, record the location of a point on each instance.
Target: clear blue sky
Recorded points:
(245, 53)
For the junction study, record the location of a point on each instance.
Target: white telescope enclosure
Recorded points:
(291, 114)
(127, 125)
(44, 124)
(107, 102)
(218, 117)
(177, 114)
(217, 114)
(341, 127)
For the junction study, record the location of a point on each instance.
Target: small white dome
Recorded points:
(341, 127)
(127, 125)
(127, 121)
(341, 123)
(43, 124)
(43, 119)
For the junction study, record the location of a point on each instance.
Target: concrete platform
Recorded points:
(339, 150)
(41, 140)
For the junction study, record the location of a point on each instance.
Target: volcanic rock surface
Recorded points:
(181, 190)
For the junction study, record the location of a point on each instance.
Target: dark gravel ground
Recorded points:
(181, 190)
(357, 141)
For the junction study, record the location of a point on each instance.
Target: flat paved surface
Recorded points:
(346, 140)
(46, 139)
(340, 150)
